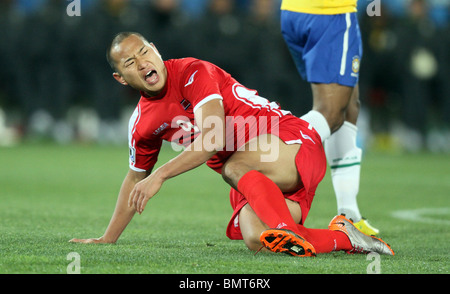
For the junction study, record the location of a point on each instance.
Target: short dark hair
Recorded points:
(116, 41)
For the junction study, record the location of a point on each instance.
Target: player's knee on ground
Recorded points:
(253, 243)
(251, 227)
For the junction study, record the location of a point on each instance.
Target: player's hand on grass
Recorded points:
(143, 191)
(90, 241)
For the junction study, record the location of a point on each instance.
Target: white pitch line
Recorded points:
(423, 215)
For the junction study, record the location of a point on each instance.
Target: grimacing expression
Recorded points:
(139, 65)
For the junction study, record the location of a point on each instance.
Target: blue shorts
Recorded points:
(325, 48)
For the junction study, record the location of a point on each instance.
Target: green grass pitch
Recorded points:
(50, 194)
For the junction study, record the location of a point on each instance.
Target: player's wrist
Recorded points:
(106, 239)
(161, 174)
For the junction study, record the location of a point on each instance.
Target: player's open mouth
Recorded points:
(152, 77)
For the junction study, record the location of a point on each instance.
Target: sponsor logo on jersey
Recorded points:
(307, 137)
(191, 79)
(161, 128)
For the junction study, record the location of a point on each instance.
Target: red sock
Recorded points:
(269, 204)
(325, 240)
(267, 200)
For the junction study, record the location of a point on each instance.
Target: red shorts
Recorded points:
(311, 165)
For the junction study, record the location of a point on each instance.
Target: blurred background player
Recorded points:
(325, 42)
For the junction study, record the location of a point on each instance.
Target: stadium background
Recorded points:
(55, 83)
(56, 86)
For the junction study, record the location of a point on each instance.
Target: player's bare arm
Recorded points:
(122, 214)
(210, 119)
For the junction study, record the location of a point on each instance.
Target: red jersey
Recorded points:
(170, 115)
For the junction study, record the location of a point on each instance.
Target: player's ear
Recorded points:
(119, 78)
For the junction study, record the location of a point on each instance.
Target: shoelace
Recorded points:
(258, 250)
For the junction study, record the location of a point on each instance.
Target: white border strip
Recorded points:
(345, 44)
(207, 99)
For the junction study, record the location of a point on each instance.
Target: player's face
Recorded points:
(139, 65)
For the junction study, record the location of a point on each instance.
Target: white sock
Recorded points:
(344, 158)
(319, 123)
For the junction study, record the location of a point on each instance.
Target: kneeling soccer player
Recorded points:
(272, 159)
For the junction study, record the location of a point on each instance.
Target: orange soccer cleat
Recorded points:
(285, 241)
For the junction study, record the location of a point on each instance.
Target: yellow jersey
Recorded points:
(320, 6)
